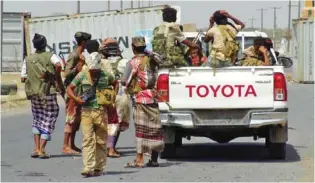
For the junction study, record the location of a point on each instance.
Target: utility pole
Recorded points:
(78, 7)
(108, 5)
(252, 22)
(299, 10)
(139, 4)
(290, 18)
(131, 4)
(289, 25)
(1, 32)
(274, 24)
(121, 5)
(262, 18)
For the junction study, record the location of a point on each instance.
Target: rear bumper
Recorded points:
(253, 119)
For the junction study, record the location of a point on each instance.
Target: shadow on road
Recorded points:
(64, 155)
(232, 152)
(119, 172)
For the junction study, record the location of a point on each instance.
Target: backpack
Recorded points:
(171, 53)
(135, 87)
(231, 46)
(116, 72)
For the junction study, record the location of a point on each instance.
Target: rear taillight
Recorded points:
(162, 88)
(280, 87)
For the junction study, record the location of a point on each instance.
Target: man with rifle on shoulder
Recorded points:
(41, 71)
(73, 66)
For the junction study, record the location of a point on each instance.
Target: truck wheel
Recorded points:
(169, 151)
(277, 150)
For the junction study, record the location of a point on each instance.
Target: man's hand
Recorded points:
(263, 50)
(194, 45)
(61, 89)
(23, 80)
(211, 20)
(79, 101)
(79, 66)
(225, 13)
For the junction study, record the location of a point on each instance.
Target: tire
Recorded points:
(7, 89)
(277, 150)
(169, 151)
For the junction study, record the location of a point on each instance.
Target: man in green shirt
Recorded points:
(93, 82)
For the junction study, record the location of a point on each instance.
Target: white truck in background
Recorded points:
(234, 102)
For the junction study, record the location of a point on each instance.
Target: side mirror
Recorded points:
(285, 62)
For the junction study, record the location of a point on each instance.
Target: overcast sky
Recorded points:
(192, 11)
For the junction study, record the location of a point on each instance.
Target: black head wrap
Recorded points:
(39, 41)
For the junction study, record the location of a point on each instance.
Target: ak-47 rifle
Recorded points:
(200, 33)
(49, 78)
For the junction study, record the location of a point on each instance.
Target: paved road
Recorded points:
(200, 159)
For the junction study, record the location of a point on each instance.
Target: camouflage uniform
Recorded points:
(166, 39)
(252, 58)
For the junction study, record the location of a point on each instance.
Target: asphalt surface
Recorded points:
(199, 159)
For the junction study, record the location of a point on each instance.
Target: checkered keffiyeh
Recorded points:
(45, 112)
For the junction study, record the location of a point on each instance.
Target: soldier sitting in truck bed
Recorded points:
(256, 55)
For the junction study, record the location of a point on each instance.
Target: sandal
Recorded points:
(98, 173)
(43, 155)
(87, 174)
(133, 165)
(69, 151)
(113, 155)
(152, 164)
(34, 155)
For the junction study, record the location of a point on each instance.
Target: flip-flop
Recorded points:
(113, 156)
(133, 165)
(44, 155)
(70, 152)
(34, 155)
(152, 164)
(87, 174)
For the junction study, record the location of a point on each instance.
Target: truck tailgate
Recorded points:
(230, 88)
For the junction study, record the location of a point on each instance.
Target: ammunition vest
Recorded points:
(34, 84)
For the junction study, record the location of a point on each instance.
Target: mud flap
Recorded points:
(169, 135)
(278, 134)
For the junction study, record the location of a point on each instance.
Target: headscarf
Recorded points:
(110, 47)
(93, 61)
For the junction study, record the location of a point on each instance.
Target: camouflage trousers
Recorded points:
(94, 142)
(252, 62)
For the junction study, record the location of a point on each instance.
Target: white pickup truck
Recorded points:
(235, 102)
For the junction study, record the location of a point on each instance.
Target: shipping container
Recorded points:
(120, 25)
(302, 51)
(12, 43)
